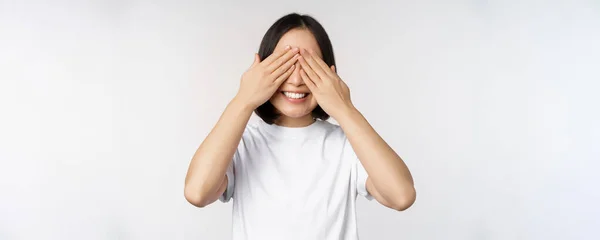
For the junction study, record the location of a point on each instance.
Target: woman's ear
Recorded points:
(333, 68)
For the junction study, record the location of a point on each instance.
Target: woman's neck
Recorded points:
(286, 121)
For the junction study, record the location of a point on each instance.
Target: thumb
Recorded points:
(256, 60)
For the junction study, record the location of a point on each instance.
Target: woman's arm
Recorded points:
(389, 181)
(205, 180)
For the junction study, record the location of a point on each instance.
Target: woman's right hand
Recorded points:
(259, 83)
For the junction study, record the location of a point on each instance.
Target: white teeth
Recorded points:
(294, 95)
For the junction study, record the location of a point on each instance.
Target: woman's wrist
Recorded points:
(241, 105)
(347, 115)
(344, 112)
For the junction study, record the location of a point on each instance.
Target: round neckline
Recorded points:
(291, 132)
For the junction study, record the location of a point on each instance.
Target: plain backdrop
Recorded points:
(492, 104)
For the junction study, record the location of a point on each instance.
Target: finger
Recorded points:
(314, 65)
(275, 55)
(308, 70)
(284, 76)
(256, 60)
(340, 81)
(283, 68)
(309, 83)
(344, 85)
(346, 88)
(281, 60)
(322, 63)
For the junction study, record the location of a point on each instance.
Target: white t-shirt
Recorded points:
(295, 183)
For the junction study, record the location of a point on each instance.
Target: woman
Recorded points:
(294, 175)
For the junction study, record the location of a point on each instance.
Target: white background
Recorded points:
(492, 104)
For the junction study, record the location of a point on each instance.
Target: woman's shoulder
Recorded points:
(251, 130)
(333, 127)
(333, 131)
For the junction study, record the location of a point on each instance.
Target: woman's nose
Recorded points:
(295, 78)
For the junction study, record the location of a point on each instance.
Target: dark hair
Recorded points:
(267, 111)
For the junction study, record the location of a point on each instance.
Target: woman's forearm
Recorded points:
(206, 173)
(387, 171)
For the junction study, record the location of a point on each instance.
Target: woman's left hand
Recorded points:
(331, 93)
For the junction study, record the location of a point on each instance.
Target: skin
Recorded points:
(297, 69)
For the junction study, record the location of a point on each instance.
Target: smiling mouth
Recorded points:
(294, 95)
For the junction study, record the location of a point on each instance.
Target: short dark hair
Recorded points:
(291, 21)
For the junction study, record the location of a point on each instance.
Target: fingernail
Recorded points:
(295, 49)
(287, 47)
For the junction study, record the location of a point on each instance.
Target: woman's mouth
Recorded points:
(295, 97)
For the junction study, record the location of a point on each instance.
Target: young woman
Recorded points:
(294, 175)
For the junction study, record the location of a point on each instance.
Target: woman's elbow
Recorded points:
(195, 197)
(404, 199)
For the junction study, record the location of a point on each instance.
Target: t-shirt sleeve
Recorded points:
(230, 174)
(359, 173)
(361, 180)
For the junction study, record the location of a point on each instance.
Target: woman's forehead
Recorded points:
(301, 38)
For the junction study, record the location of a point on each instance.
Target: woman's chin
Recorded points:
(294, 114)
(298, 110)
